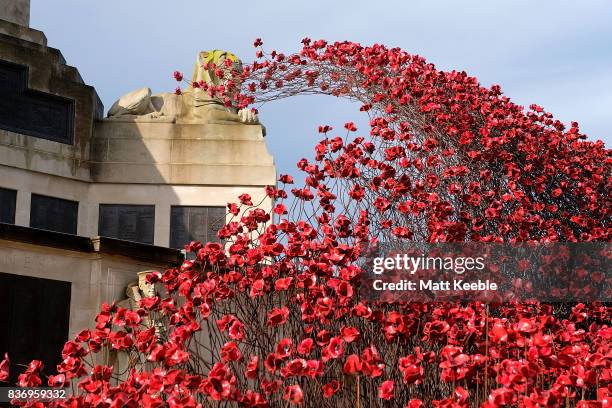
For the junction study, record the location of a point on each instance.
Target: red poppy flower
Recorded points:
(331, 388)
(294, 394)
(349, 334)
(350, 126)
(386, 390)
(4, 368)
(305, 346)
(352, 365)
(278, 316)
(334, 349)
(286, 179)
(251, 368)
(230, 352)
(245, 199)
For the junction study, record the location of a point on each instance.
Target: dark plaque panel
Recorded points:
(8, 199)
(31, 112)
(34, 321)
(128, 222)
(190, 223)
(54, 214)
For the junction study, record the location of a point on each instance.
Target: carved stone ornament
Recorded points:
(192, 105)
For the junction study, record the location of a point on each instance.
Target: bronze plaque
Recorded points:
(195, 223)
(54, 214)
(31, 112)
(128, 222)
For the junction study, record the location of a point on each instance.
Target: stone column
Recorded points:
(16, 11)
(162, 224)
(22, 208)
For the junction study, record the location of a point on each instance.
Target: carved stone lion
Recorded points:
(192, 105)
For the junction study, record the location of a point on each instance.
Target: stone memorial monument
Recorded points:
(87, 201)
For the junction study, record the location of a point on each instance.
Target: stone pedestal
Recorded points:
(185, 154)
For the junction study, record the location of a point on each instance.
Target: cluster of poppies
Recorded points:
(273, 315)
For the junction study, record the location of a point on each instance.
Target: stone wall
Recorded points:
(47, 74)
(95, 277)
(170, 153)
(16, 11)
(91, 195)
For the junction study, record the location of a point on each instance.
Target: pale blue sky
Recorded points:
(554, 53)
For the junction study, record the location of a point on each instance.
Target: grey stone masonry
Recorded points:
(16, 11)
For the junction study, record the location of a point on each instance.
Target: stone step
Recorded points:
(40, 56)
(24, 33)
